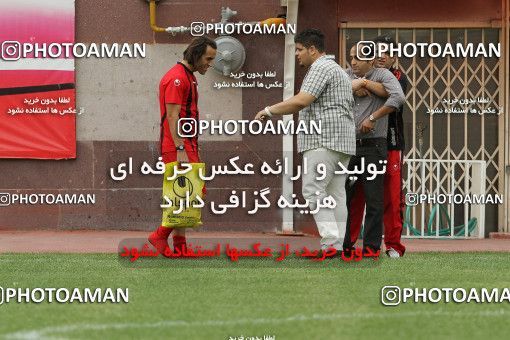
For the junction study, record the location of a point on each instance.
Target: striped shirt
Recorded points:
(333, 108)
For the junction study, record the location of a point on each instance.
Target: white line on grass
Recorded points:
(50, 332)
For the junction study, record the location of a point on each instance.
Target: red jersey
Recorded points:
(178, 86)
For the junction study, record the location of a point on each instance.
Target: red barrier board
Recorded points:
(37, 90)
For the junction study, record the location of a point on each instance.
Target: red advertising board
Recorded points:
(37, 83)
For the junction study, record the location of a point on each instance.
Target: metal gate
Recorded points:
(437, 83)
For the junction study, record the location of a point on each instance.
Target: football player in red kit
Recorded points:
(178, 98)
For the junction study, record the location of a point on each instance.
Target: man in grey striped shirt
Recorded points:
(325, 97)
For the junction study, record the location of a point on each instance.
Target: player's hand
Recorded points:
(261, 115)
(362, 92)
(367, 126)
(357, 84)
(182, 157)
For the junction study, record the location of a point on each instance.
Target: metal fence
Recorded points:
(444, 198)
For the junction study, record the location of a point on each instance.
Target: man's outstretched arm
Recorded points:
(290, 106)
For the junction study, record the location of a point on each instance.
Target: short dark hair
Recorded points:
(385, 39)
(311, 37)
(196, 49)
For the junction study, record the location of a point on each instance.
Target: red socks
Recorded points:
(164, 232)
(179, 242)
(159, 239)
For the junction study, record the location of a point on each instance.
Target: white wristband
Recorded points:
(268, 112)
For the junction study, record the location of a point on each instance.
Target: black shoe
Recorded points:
(348, 252)
(369, 251)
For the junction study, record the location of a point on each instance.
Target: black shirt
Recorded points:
(395, 137)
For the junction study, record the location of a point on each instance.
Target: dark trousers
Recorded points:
(372, 151)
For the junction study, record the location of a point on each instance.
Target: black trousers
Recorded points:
(372, 151)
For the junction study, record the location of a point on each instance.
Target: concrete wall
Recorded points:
(122, 96)
(121, 113)
(437, 11)
(121, 120)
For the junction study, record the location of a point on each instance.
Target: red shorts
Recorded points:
(169, 157)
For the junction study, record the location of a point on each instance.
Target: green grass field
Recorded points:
(217, 299)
